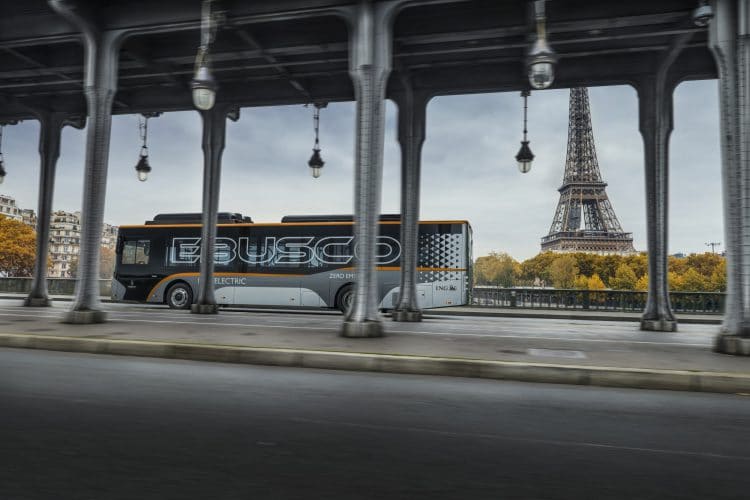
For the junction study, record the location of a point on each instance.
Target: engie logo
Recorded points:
(288, 250)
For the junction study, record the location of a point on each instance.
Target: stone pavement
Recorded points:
(595, 352)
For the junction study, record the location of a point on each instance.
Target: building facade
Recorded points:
(8, 207)
(65, 242)
(65, 235)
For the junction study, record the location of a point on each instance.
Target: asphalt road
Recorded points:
(78, 426)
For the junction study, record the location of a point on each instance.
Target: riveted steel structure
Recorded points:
(412, 110)
(730, 43)
(93, 58)
(50, 125)
(584, 220)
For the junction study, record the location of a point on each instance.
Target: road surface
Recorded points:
(76, 426)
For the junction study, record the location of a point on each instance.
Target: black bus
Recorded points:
(303, 261)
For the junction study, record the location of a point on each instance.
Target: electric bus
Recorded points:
(303, 261)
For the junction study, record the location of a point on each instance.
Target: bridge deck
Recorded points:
(524, 340)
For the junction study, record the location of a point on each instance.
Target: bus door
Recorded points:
(138, 272)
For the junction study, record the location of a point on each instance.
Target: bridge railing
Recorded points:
(593, 300)
(56, 286)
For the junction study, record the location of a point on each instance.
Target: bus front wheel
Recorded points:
(345, 298)
(179, 296)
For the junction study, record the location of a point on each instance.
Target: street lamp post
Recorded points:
(524, 156)
(316, 162)
(3, 173)
(143, 168)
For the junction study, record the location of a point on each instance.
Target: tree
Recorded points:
(581, 282)
(642, 283)
(106, 264)
(563, 271)
(692, 281)
(625, 278)
(718, 280)
(596, 283)
(606, 267)
(638, 263)
(499, 269)
(537, 267)
(17, 248)
(674, 281)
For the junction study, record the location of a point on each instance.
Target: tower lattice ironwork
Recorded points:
(584, 220)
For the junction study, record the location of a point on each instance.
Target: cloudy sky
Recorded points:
(468, 165)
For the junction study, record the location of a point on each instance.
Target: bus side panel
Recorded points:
(442, 264)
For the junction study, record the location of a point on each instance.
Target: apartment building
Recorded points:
(8, 207)
(65, 234)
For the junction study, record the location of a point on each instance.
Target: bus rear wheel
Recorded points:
(345, 298)
(179, 296)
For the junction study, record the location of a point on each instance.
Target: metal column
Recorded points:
(730, 43)
(411, 135)
(100, 86)
(655, 104)
(369, 67)
(50, 129)
(656, 123)
(214, 138)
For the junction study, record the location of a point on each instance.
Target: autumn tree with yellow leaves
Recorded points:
(17, 248)
(587, 271)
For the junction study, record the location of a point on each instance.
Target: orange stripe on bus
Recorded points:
(276, 275)
(216, 275)
(285, 224)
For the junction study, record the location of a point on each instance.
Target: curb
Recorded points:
(634, 378)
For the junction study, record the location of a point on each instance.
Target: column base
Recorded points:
(406, 316)
(362, 329)
(204, 308)
(732, 344)
(37, 302)
(85, 317)
(659, 325)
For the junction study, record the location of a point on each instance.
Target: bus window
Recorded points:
(136, 252)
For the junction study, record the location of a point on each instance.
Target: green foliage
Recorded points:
(563, 271)
(625, 278)
(498, 269)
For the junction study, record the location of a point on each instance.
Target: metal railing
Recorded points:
(56, 286)
(593, 300)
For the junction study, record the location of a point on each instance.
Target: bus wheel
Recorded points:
(179, 296)
(345, 298)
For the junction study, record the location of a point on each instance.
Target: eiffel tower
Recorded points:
(584, 220)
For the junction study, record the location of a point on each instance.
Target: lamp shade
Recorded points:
(524, 157)
(316, 163)
(541, 61)
(204, 89)
(143, 168)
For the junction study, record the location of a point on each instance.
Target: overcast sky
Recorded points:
(468, 166)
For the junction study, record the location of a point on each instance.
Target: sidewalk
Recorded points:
(590, 352)
(687, 319)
